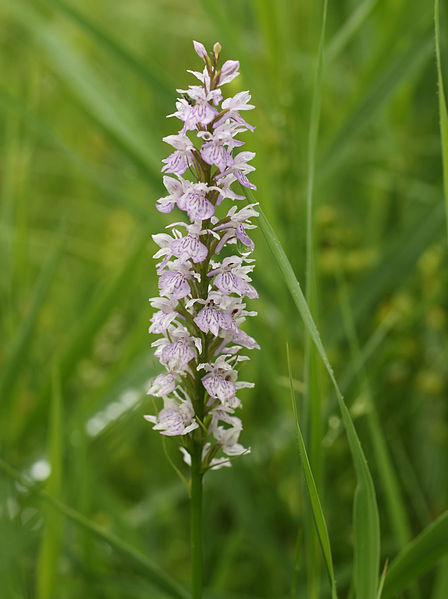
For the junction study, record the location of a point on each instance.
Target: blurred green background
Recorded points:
(84, 91)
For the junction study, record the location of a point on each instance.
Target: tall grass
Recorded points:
(85, 87)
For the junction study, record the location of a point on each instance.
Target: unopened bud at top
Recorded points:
(216, 51)
(200, 50)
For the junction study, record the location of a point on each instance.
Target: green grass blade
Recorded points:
(97, 312)
(349, 29)
(21, 345)
(394, 499)
(366, 519)
(366, 110)
(442, 107)
(47, 562)
(382, 580)
(318, 515)
(103, 103)
(311, 375)
(146, 72)
(312, 408)
(36, 123)
(397, 264)
(422, 554)
(142, 564)
(440, 590)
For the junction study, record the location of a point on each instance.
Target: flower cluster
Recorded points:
(204, 269)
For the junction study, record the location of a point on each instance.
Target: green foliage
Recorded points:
(354, 127)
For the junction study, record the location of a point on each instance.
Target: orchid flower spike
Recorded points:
(205, 269)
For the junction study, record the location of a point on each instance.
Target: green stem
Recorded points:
(196, 521)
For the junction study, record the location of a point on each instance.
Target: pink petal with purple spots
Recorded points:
(175, 163)
(218, 387)
(177, 355)
(170, 423)
(244, 180)
(244, 237)
(174, 284)
(189, 247)
(216, 154)
(197, 206)
(211, 319)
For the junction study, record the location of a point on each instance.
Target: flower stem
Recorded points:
(196, 521)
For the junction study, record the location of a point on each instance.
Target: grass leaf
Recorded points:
(47, 562)
(365, 111)
(318, 515)
(422, 554)
(312, 398)
(146, 72)
(366, 519)
(144, 565)
(119, 120)
(442, 106)
(20, 346)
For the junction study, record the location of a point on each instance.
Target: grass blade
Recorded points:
(22, 342)
(312, 397)
(418, 557)
(366, 519)
(47, 562)
(366, 110)
(114, 116)
(442, 107)
(350, 28)
(153, 574)
(397, 264)
(394, 499)
(153, 78)
(98, 310)
(318, 515)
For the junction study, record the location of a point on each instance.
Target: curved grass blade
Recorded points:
(386, 473)
(153, 78)
(101, 101)
(142, 564)
(312, 405)
(442, 106)
(365, 111)
(422, 554)
(397, 264)
(22, 342)
(349, 28)
(97, 312)
(47, 562)
(318, 515)
(366, 519)
(35, 122)
(440, 589)
(95, 315)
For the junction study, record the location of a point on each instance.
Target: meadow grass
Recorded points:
(351, 145)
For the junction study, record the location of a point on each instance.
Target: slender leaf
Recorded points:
(148, 72)
(366, 519)
(398, 262)
(20, 346)
(349, 28)
(318, 515)
(442, 106)
(40, 127)
(386, 472)
(312, 397)
(422, 554)
(365, 111)
(141, 563)
(100, 100)
(47, 563)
